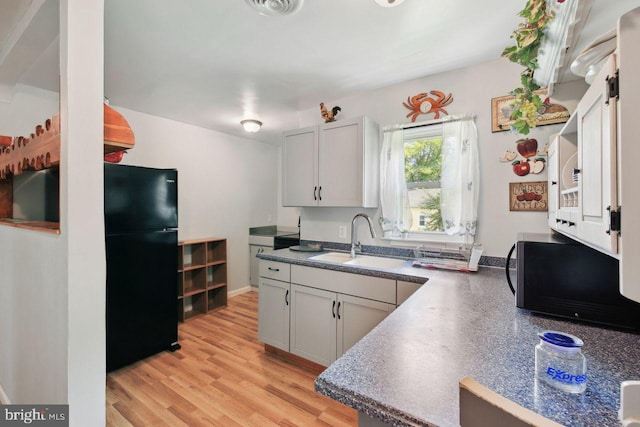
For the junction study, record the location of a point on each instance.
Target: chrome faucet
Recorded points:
(357, 245)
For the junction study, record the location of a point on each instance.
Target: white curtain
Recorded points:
(460, 180)
(394, 198)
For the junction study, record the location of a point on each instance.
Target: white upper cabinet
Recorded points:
(604, 134)
(553, 174)
(333, 164)
(300, 175)
(629, 153)
(563, 189)
(597, 162)
(582, 164)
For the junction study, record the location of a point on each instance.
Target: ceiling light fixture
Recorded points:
(251, 125)
(276, 7)
(389, 3)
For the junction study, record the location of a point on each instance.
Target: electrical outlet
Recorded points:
(342, 231)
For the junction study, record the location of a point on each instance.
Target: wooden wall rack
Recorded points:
(41, 150)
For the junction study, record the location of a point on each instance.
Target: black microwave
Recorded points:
(558, 276)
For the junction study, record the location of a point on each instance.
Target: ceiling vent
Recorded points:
(275, 7)
(389, 3)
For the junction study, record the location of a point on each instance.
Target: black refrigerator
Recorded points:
(141, 225)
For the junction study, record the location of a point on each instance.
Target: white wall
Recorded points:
(52, 313)
(226, 184)
(29, 107)
(33, 294)
(472, 89)
(33, 316)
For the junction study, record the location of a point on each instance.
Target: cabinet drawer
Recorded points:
(275, 270)
(357, 285)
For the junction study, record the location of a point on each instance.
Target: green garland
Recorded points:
(528, 37)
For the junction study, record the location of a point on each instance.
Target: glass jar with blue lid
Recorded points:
(560, 362)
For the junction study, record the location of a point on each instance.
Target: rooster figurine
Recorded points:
(329, 115)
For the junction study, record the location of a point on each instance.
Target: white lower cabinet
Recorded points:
(319, 314)
(313, 324)
(332, 310)
(356, 317)
(254, 262)
(274, 302)
(324, 324)
(405, 290)
(273, 313)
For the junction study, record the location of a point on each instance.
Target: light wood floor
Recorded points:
(220, 377)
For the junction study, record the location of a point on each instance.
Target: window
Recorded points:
(429, 180)
(422, 172)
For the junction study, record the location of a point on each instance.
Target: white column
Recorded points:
(82, 216)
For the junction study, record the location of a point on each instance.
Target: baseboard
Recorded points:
(239, 291)
(4, 399)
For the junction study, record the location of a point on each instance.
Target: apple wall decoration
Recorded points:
(521, 167)
(527, 148)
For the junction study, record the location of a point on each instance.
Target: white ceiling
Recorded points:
(213, 63)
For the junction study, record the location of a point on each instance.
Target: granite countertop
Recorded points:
(264, 235)
(406, 371)
(404, 272)
(272, 231)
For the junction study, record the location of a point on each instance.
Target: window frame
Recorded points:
(420, 131)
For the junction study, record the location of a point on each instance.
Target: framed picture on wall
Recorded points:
(528, 196)
(501, 112)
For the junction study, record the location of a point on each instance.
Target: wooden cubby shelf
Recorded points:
(202, 277)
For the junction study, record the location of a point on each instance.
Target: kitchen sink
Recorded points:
(339, 257)
(375, 261)
(359, 260)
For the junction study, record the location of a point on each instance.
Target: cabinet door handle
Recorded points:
(274, 269)
(554, 183)
(286, 297)
(314, 192)
(333, 309)
(338, 310)
(320, 193)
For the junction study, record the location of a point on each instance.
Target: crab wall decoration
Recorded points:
(423, 104)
